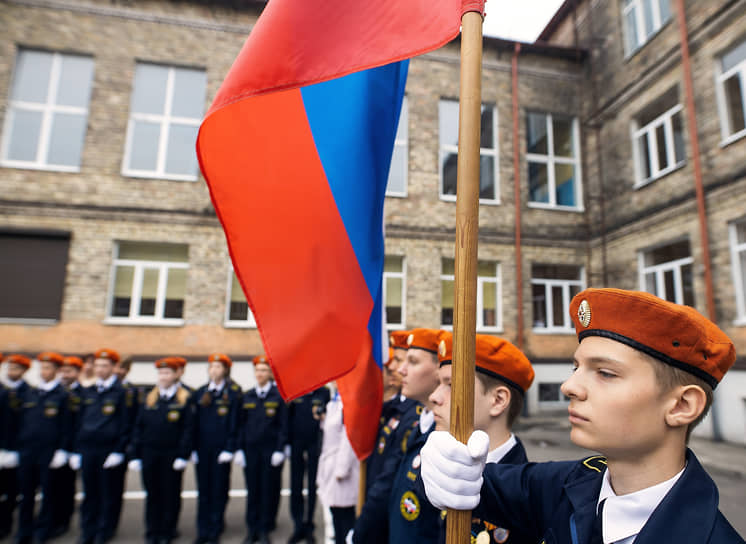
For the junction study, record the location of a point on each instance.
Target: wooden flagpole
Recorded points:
(467, 233)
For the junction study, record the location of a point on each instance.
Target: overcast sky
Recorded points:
(521, 20)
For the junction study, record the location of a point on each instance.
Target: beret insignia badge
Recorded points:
(584, 313)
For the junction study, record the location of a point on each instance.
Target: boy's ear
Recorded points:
(691, 401)
(499, 400)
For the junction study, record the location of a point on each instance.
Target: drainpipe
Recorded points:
(699, 187)
(517, 191)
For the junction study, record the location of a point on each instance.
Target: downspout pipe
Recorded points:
(517, 192)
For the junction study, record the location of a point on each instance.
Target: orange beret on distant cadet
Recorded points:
(72, 360)
(18, 359)
(391, 357)
(106, 353)
(398, 339)
(260, 359)
(495, 357)
(170, 362)
(425, 339)
(220, 358)
(50, 357)
(672, 333)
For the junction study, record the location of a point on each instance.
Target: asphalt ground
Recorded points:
(545, 438)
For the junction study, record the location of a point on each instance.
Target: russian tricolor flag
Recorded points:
(296, 150)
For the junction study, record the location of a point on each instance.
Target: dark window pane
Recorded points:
(538, 184)
(173, 308)
(448, 171)
(678, 138)
(669, 286)
(238, 311)
(687, 284)
(539, 294)
(393, 314)
(734, 104)
(660, 140)
(536, 132)
(121, 307)
(564, 180)
(645, 164)
(562, 132)
(147, 307)
(555, 272)
(671, 252)
(446, 316)
(549, 392)
(487, 178)
(487, 140)
(558, 307)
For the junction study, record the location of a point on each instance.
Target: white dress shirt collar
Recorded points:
(427, 418)
(625, 515)
(169, 392)
(13, 384)
(48, 386)
(216, 386)
(262, 391)
(107, 383)
(499, 452)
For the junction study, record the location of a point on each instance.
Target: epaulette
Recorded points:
(152, 398)
(182, 395)
(597, 463)
(235, 387)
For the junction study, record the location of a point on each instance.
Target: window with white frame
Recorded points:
(47, 115)
(551, 392)
(399, 170)
(448, 135)
(489, 295)
(642, 19)
(148, 283)
(553, 157)
(237, 311)
(731, 92)
(658, 139)
(666, 272)
(394, 291)
(738, 257)
(552, 289)
(165, 112)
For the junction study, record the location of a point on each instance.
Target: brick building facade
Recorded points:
(110, 233)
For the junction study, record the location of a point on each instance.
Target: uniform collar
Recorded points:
(262, 391)
(48, 386)
(496, 455)
(169, 392)
(107, 383)
(218, 387)
(427, 418)
(14, 384)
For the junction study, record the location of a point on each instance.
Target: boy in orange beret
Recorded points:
(503, 375)
(643, 377)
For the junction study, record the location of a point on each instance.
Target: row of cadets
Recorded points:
(11, 395)
(262, 437)
(397, 415)
(161, 443)
(503, 374)
(101, 440)
(304, 438)
(217, 411)
(644, 374)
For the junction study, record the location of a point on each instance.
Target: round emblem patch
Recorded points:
(416, 462)
(584, 313)
(381, 445)
(500, 535)
(222, 410)
(107, 409)
(270, 412)
(173, 415)
(50, 411)
(442, 348)
(409, 506)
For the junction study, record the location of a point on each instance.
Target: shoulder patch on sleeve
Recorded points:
(596, 463)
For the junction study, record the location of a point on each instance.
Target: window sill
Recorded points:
(239, 325)
(28, 321)
(661, 175)
(144, 322)
(740, 322)
(733, 138)
(395, 326)
(541, 206)
(482, 201)
(631, 54)
(22, 165)
(155, 176)
(396, 195)
(553, 331)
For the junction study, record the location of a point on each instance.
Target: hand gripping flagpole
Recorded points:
(467, 233)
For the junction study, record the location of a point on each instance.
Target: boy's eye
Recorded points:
(606, 374)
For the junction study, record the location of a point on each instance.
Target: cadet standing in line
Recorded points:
(63, 478)
(304, 436)
(14, 390)
(643, 376)
(398, 415)
(217, 408)
(503, 374)
(161, 442)
(262, 436)
(41, 439)
(100, 444)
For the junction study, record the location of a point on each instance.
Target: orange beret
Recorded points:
(18, 359)
(495, 357)
(672, 333)
(170, 362)
(424, 339)
(220, 358)
(391, 357)
(50, 357)
(260, 359)
(105, 353)
(398, 339)
(72, 360)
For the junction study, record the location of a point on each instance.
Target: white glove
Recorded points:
(348, 538)
(135, 465)
(239, 459)
(3, 456)
(113, 460)
(194, 458)
(179, 464)
(277, 458)
(59, 459)
(452, 471)
(287, 451)
(225, 457)
(75, 461)
(12, 459)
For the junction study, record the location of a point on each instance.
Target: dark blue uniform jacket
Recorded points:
(216, 418)
(263, 423)
(556, 503)
(42, 422)
(165, 426)
(103, 422)
(303, 428)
